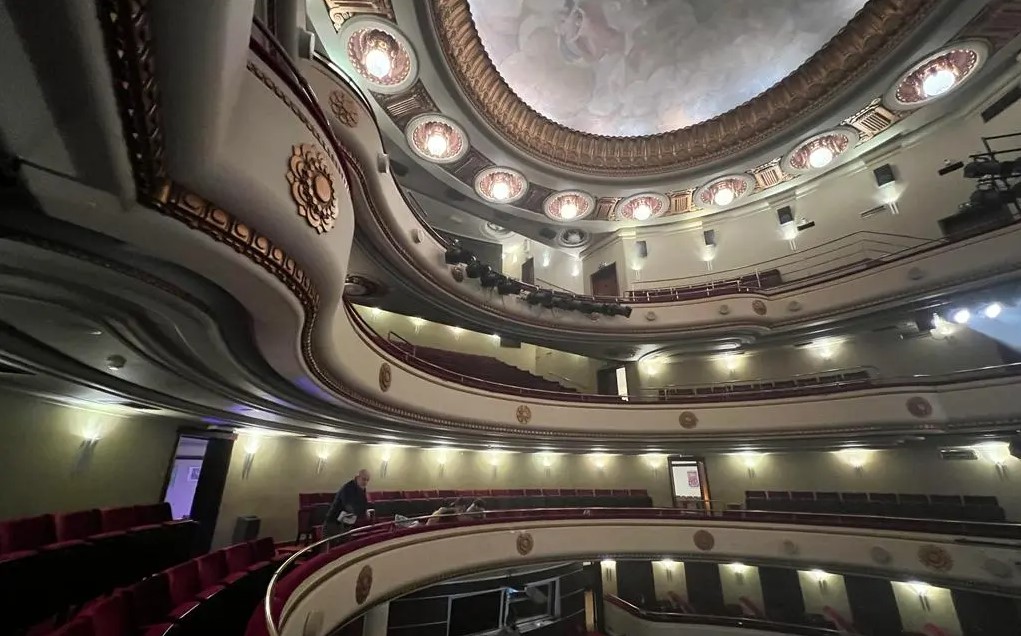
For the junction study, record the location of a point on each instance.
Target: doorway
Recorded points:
(528, 271)
(604, 282)
(689, 483)
(184, 475)
(195, 480)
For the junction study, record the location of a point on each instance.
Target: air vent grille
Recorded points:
(957, 454)
(879, 209)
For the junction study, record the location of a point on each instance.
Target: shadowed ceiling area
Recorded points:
(642, 67)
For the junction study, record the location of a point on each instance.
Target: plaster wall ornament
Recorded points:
(651, 316)
(363, 585)
(457, 273)
(759, 307)
(688, 419)
(382, 163)
(416, 236)
(916, 273)
(789, 547)
(523, 414)
(312, 186)
(935, 558)
(704, 540)
(998, 568)
(880, 555)
(794, 306)
(724, 310)
(919, 406)
(344, 108)
(385, 377)
(524, 543)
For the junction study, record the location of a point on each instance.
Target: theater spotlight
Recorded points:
(509, 286)
(992, 198)
(621, 310)
(990, 168)
(961, 316)
(476, 269)
(560, 302)
(606, 309)
(586, 307)
(992, 310)
(456, 254)
(538, 297)
(490, 279)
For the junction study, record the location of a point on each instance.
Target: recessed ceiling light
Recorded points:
(993, 310)
(820, 157)
(377, 62)
(962, 316)
(642, 212)
(723, 196)
(938, 82)
(436, 144)
(568, 210)
(501, 190)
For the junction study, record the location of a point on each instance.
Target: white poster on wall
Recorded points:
(686, 480)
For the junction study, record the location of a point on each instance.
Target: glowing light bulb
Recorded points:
(962, 316)
(501, 190)
(723, 196)
(993, 310)
(820, 157)
(436, 144)
(939, 82)
(642, 211)
(819, 575)
(377, 63)
(568, 210)
(919, 587)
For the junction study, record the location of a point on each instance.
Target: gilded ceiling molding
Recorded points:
(874, 31)
(344, 108)
(312, 187)
(343, 10)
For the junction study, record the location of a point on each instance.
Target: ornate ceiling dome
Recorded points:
(643, 87)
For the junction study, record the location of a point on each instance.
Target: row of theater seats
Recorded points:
(211, 594)
(748, 282)
(51, 562)
(312, 507)
(487, 368)
(978, 508)
(747, 390)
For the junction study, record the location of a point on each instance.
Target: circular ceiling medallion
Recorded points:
(359, 286)
(380, 54)
(385, 377)
(495, 231)
(937, 75)
(642, 207)
(704, 540)
(919, 406)
(935, 557)
(436, 138)
(688, 419)
(500, 185)
(523, 414)
(573, 237)
(524, 543)
(569, 205)
(363, 584)
(724, 191)
(819, 151)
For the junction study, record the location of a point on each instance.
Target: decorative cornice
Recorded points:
(875, 31)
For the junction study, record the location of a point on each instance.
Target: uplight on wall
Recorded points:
(731, 362)
(922, 590)
(654, 460)
(385, 452)
(826, 348)
(376, 311)
(750, 460)
(819, 576)
(856, 458)
(599, 460)
(457, 331)
(997, 453)
(252, 443)
(417, 323)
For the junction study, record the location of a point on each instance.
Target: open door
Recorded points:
(689, 484)
(195, 480)
(604, 282)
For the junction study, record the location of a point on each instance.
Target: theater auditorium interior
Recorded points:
(510, 317)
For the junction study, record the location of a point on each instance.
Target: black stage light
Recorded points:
(456, 254)
(561, 301)
(509, 286)
(490, 279)
(586, 307)
(621, 310)
(534, 297)
(950, 167)
(475, 268)
(606, 309)
(990, 168)
(991, 197)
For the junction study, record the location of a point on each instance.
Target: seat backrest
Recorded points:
(212, 568)
(778, 494)
(802, 495)
(853, 496)
(114, 519)
(78, 627)
(551, 492)
(980, 500)
(149, 600)
(263, 549)
(945, 499)
(110, 617)
(413, 494)
(888, 497)
(27, 533)
(602, 492)
(183, 582)
(912, 498)
(827, 496)
(306, 499)
(154, 513)
(238, 557)
(78, 525)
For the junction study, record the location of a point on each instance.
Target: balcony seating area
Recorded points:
(977, 508)
(211, 594)
(488, 369)
(802, 385)
(749, 282)
(312, 507)
(51, 562)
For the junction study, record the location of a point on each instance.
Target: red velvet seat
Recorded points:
(149, 600)
(77, 627)
(27, 533)
(413, 494)
(238, 558)
(551, 492)
(110, 616)
(212, 568)
(78, 525)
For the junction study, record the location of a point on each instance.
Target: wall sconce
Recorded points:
(384, 459)
(856, 458)
(322, 455)
(417, 322)
(252, 443)
(750, 460)
(599, 459)
(922, 590)
(457, 332)
(546, 258)
(739, 570)
(820, 577)
(576, 268)
(668, 568)
(90, 438)
(546, 459)
(996, 452)
(376, 311)
(608, 566)
(441, 460)
(654, 461)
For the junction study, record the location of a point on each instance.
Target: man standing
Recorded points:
(349, 505)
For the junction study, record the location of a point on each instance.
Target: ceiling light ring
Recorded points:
(708, 195)
(837, 140)
(628, 209)
(584, 203)
(359, 33)
(563, 239)
(963, 58)
(419, 130)
(488, 180)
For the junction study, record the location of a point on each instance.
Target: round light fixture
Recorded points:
(961, 316)
(993, 310)
(938, 81)
(568, 205)
(820, 157)
(436, 138)
(500, 185)
(723, 191)
(436, 144)
(642, 212)
(500, 190)
(568, 210)
(642, 207)
(377, 62)
(723, 196)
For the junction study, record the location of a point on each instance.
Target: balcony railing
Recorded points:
(836, 381)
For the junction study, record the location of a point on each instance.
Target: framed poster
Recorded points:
(193, 473)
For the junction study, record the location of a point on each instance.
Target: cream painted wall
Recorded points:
(46, 466)
(884, 351)
(669, 576)
(282, 467)
(579, 371)
(901, 470)
(741, 581)
(918, 612)
(554, 268)
(826, 594)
